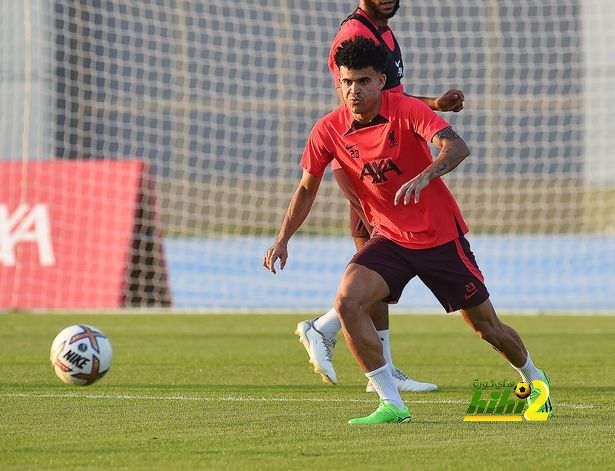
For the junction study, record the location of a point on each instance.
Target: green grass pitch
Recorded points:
(236, 392)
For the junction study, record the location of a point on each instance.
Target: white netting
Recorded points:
(219, 98)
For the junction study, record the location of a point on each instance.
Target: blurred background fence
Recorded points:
(219, 97)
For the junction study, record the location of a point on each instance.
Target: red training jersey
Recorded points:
(379, 158)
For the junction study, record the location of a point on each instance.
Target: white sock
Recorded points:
(329, 324)
(528, 371)
(386, 347)
(384, 385)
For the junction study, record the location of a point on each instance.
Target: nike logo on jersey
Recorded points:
(350, 146)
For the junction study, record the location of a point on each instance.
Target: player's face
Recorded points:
(361, 89)
(380, 9)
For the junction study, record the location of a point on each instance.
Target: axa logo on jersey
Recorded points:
(27, 223)
(377, 170)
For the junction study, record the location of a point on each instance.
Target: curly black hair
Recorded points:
(359, 53)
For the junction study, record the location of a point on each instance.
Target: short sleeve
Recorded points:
(316, 155)
(425, 122)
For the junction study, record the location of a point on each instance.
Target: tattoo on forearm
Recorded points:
(447, 133)
(441, 168)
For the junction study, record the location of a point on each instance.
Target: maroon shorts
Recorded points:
(449, 270)
(359, 225)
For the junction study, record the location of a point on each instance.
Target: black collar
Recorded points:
(355, 126)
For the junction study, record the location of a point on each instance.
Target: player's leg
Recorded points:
(379, 313)
(505, 340)
(376, 273)
(359, 289)
(320, 350)
(318, 338)
(450, 271)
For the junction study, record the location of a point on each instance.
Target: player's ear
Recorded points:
(381, 81)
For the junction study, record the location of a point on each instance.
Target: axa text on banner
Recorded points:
(67, 231)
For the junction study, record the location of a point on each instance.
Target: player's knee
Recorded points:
(346, 306)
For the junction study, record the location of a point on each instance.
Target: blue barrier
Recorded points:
(536, 273)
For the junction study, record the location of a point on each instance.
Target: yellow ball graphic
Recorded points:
(522, 389)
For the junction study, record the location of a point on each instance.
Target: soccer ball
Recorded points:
(81, 355)
(522, 390)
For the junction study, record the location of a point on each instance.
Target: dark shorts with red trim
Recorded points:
(449, 270)
(359, 225)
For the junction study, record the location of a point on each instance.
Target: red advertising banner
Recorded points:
(68, 230)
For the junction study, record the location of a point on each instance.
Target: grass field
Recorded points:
(236, 392)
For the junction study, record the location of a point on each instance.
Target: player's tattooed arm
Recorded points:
(441, 169)
(446, 133)
(453, 151)
(438, 139)
(447, 136)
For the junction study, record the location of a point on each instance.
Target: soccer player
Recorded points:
(418, 227)
(369, 20)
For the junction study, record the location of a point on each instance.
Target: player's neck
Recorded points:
(376, 21)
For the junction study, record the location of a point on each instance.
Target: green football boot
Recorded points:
(385, 414)
(547, 406)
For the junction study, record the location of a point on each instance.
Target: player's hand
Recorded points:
(451, 100)
(277, 250)
(414, 186)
